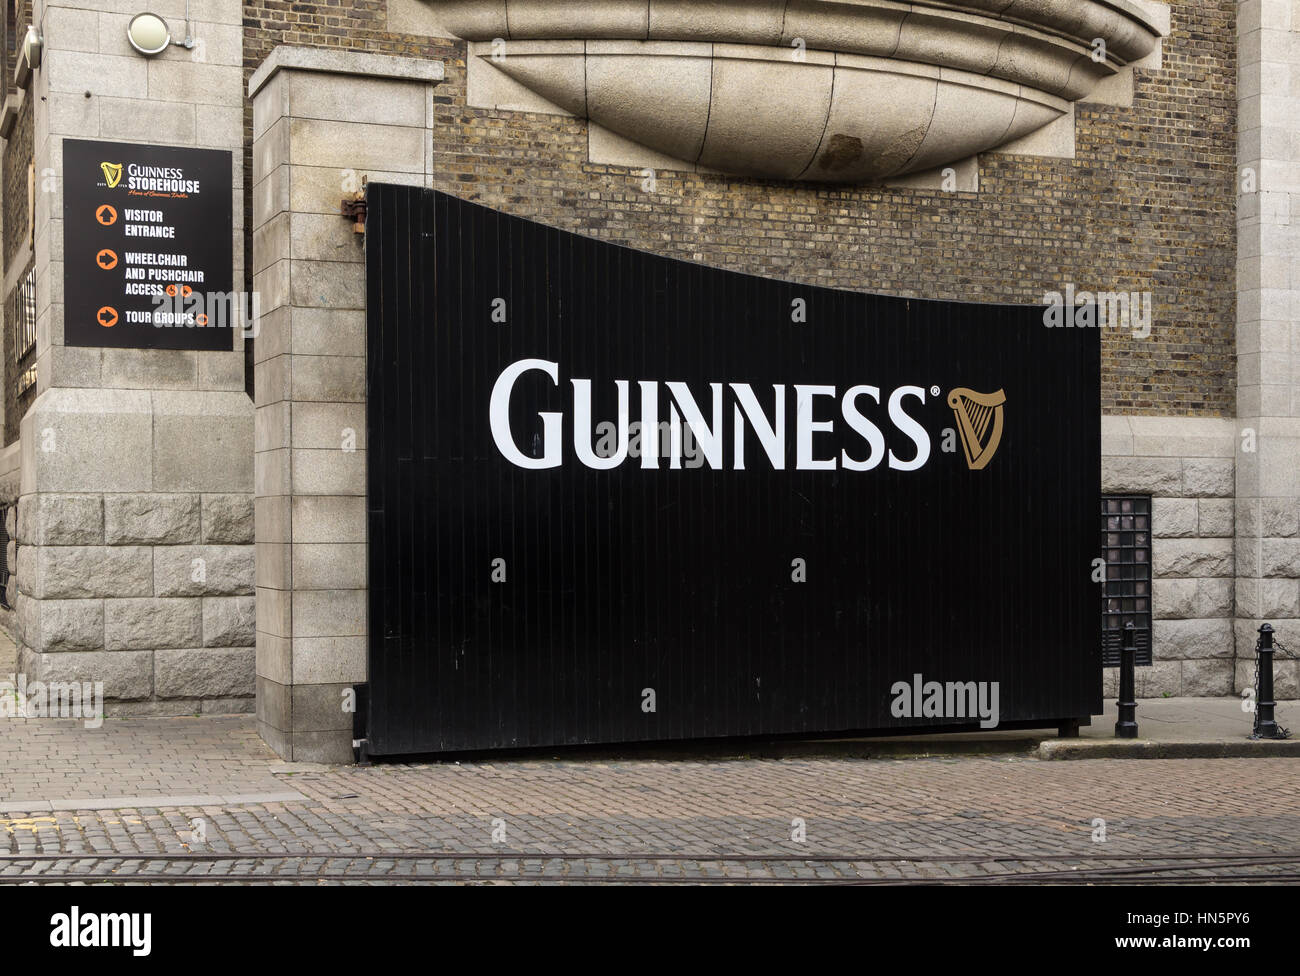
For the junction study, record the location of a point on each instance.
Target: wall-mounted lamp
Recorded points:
(33, 43)
(29, 57)
(149, 34)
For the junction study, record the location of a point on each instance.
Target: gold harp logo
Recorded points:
(112, 173)
(979, 418)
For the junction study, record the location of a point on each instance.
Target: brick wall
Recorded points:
(15, 29)
(17, 158)
(1147, 204)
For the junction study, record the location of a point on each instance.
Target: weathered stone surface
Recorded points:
(328, 660)
(1246, 598)
(323, 518)
(1286, 681)
(1246, 634)
(1174, 598)
(151, 518)
(1248, 517)
(1244, 676)
(66, 625)
(329, 613)
(205, 672)
(228, 706)
(1172, 517)
(1280, 557)
(201, 441)
(151, 709)
(152, 623)
(1214, 597)
(74, 437)
(274, 656)
(1180, 640)
(1162, 678)
(274, 608)
(1216, 517)
(228, 519)
(61, 519)
(1208, 477)
(203, 571)
(70, 572)
(1279, 517)
(329, 566)
(1192, 557)
(1154, 476)
(1192, 598)
(1207, 677)
(229, 621)
(27, 570)
(319, 708)
(1279, 599)
(126, 674)
(26, 619)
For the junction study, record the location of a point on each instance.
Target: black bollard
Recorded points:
(1265, 722)
(1127, 727)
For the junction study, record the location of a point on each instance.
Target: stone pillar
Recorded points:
(322, 121)
(135, 556)
(1268, 333)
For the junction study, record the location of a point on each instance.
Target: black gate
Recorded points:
(839, 502)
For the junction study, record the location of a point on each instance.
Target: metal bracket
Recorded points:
(355, 209)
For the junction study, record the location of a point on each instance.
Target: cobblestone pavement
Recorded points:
(209, 796)
(59, 763)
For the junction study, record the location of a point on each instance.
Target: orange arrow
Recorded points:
(107, 316)
(106, 215)
(106, 259)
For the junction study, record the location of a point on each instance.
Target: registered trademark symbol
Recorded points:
(934, 391)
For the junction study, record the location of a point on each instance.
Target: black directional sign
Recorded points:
(147, 247)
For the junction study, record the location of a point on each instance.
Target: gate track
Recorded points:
(490, 868)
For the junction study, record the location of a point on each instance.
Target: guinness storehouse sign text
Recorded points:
(148, 262)
(619, 497)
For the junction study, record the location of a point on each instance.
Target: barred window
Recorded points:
(24, 319)
(1126, 591)
(4, 554)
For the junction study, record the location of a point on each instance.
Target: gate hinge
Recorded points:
(354, 208)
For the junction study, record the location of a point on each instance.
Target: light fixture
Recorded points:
(32, 45)
(148, 34)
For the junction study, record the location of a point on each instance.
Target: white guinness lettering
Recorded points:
(813, 425)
